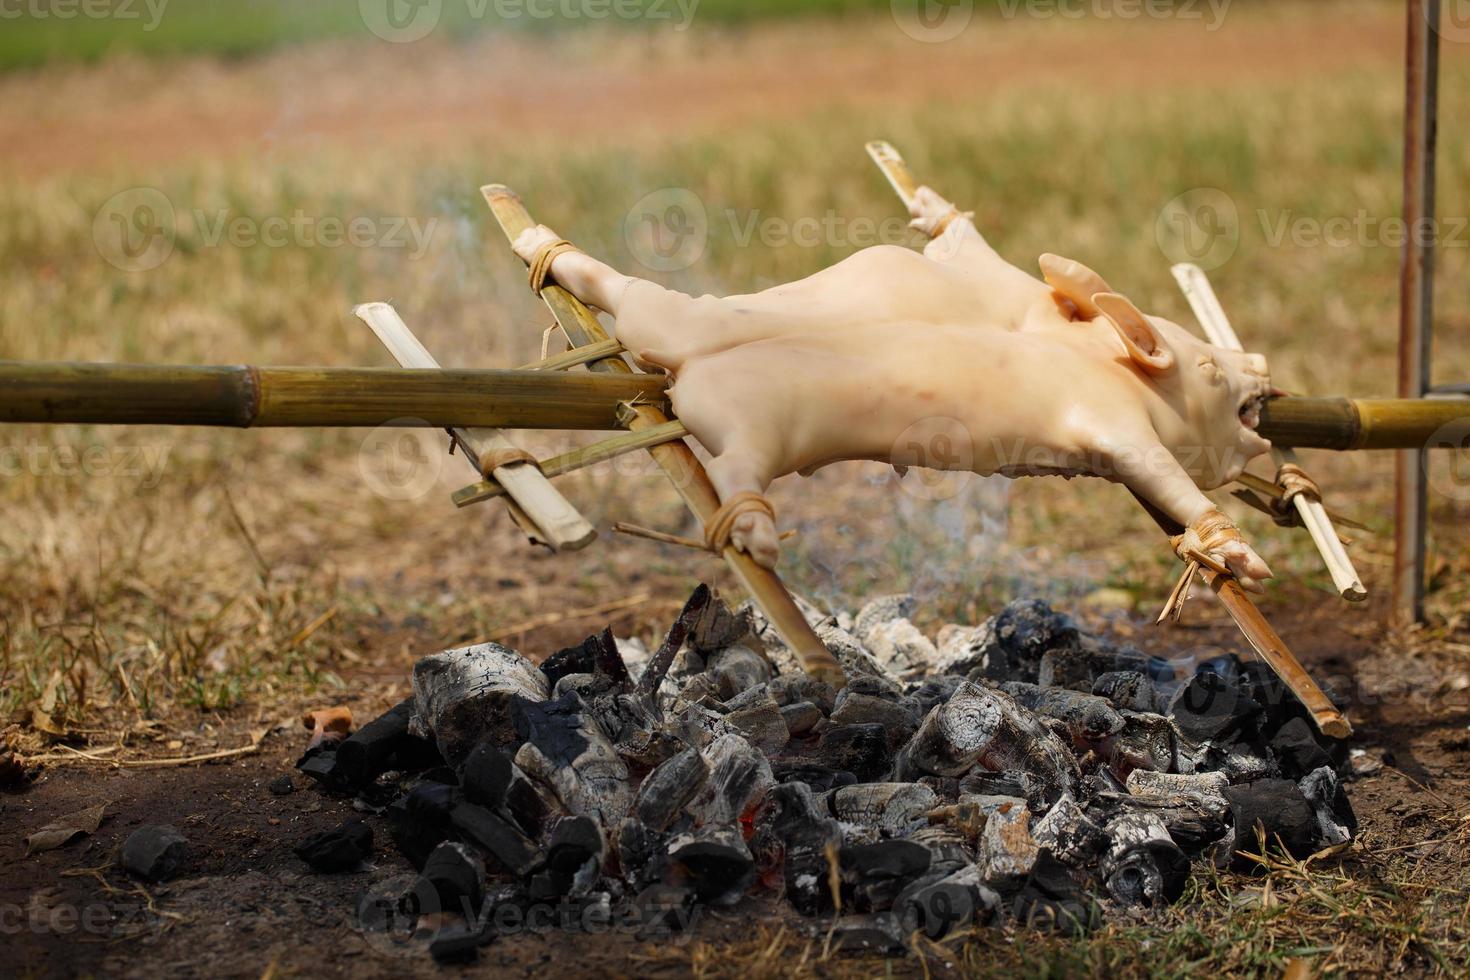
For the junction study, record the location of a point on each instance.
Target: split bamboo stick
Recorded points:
(1211, 315)
(580, 458)
(676, 459)
(552, 518)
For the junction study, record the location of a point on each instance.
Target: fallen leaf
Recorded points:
(58, 832)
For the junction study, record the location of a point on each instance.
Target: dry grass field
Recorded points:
(170, 591)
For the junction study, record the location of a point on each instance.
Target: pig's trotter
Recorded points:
(747, 521)
(1215, 534)
(592, 281)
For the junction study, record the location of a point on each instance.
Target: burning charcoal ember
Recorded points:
(856, 660)
(1147, 741)
(669, 788)
(789, 689)
(762, 724)
(1206, 789)
(1240, 763)
(736, 669)
(580, 659)
(739, 778)
(510, 849)
(454, 876)
(154, 853)
(643, 854)
(881, 932)
(809, 835)
(1270, 810)
(965, 818)
(1212, 707)
(1143, 865)
(1068, 834)
(949, 847)
(818, 777)
(1128, 690)
(570, 753)
(700, 689)
(1087, 718)
(716, 626)
(1297, 750)
(900, 720)
(642, 736)
(715, 861)
(465, 695)
(586, 686)
(960, 649)
(874, 874)
(1013, 783)
(1012, 643)
(898, 645)
(576, 852)
(953, 902)
(883, 609)
(860, 749)
(1051, 900)
(1336, 822)
(382, 744)
(933, 691)
(986, 727)
(801, 717)
(1006, 850)
(890, 808)
(653, 675)
(342, 849)
(419, 820)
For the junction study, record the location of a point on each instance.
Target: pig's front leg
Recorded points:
(1148, 469)
(740, 469)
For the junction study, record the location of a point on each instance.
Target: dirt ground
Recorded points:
(247, 907)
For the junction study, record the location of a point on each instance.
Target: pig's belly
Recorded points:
(877, 286)
(935, 397)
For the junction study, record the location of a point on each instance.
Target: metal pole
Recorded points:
(1416, 295)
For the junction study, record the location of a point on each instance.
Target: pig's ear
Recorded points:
(1139, 336)
(1073, 283)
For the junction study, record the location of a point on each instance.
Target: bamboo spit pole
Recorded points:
(1252, 624)
(537, 506)
(676, 459)
(242, 396)
(1211, 315)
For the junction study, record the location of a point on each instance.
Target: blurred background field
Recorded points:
(198, 570)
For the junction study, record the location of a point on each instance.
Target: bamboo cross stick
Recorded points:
(676, 459)
(538, 506)
(1207, 309)
(580, 458)
(1264, 640)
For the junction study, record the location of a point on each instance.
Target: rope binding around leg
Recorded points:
(539, 271)
(717, 530)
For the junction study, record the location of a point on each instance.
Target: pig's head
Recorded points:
(1216, 393)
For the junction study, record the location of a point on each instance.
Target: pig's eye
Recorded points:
(1211, 370)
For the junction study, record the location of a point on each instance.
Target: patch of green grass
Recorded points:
(41, 31)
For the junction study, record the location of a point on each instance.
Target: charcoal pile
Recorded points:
(1018, 772)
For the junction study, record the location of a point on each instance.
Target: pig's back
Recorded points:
(883, 287)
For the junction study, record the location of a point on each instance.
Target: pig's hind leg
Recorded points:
(739, 470)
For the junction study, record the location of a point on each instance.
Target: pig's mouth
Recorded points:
(1250, 411)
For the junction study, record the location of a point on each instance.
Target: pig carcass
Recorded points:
(950, 359)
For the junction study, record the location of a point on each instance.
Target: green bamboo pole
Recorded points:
(242, 396)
